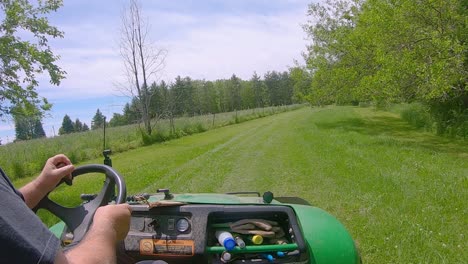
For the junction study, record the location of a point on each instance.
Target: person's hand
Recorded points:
(56, 168)
(110, 225)
(113, 218)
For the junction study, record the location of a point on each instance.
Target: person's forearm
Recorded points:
(97, 247)
(33, 192)
(55, 169)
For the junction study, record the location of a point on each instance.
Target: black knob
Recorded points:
(167, 194)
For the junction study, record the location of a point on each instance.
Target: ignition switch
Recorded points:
(154, 223)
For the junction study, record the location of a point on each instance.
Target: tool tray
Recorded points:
(291, 250)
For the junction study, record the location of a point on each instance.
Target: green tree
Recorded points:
(234, 91)
(27, 128)
(273, 84)
(78, 126)
(387, 51)
(38, 129)
(28, 123)
(260, 91)
(183, 91)
(98, 120)
(224, 99)
(211, 98)
(85, 127)
(333, 75)
(301, 81)
(21, 60)
(118, 120)
(247, 95)
(67, 126)
(131, 113)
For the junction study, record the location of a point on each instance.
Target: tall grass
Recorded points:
(438, 118)
(26, 158)
(417, 115)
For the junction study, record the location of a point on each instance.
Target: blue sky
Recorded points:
(204, 39)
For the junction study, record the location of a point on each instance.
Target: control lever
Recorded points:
(87, 197)
(167, 194)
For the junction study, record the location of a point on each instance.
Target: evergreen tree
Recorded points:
(85, 127)
(183, 95)
(78, 126)
(130, 113)
(38, 129)
(98, 120)
(67, 126)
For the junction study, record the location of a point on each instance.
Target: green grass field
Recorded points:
(26, 158)
(401, 193)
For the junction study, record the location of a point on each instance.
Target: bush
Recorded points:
(447, 118)
(417, 115)
(451, 116)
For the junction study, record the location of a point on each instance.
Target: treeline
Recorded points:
(189, 97)
(384, 52)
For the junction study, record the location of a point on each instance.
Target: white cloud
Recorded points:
(234, 44)
(210, 47)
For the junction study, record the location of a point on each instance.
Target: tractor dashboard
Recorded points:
(188, 234)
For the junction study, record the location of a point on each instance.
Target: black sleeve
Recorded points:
(23, 236)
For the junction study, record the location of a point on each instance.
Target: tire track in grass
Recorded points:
(257, 160)
(219, 168)
(193, 174)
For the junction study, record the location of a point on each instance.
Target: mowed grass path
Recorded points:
(402, 194)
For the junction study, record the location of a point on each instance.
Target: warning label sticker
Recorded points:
(166, 247)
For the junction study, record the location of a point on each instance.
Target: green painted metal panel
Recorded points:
(327, 239)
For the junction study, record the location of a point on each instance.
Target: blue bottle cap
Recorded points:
(269, 257)
(229, 243)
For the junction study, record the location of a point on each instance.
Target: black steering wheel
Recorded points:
(79, 219)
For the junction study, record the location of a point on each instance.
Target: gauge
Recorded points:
(182, 225)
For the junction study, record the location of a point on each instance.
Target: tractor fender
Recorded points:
(327, 239)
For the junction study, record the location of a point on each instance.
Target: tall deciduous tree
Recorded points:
(21, 60)
(388, 51)
(28, 128)
(117, 120)
(301, 80)
(142, 60)
(28, 123)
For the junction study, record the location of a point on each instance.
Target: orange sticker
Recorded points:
(167, 247)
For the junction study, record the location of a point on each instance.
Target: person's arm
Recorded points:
(111, 224)
(54, 170)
